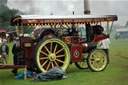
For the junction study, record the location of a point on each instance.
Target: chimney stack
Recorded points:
(87, 7)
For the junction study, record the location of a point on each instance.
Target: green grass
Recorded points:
(115, 74)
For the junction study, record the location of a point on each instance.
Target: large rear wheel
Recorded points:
(97, 60)
(51, 53)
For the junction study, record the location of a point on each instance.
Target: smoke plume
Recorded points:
(65, 7)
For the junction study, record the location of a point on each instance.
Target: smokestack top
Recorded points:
(73, 12)
(87, 7)
(87, 12)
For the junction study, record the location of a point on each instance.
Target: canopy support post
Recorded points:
(55, 29)
(22, 29)
(108, 28)
(111, 27)
(17, 30)
(61, 29)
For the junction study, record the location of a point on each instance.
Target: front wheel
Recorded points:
(52, 52)
(97, 60)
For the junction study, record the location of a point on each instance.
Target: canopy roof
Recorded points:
(39, 19)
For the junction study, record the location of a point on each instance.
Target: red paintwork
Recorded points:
(71, 40)
(37, 19)
(78, 47)
(98, 38)
(79, 20)
(76, 50)
(11, 66)
(68, 40)
(23, 39)
(29, 51)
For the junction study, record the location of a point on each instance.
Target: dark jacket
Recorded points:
(6, 48)
(15, 50)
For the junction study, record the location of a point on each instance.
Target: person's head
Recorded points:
(98, 29)
(17, 41)
(4, 42)
(17, 44)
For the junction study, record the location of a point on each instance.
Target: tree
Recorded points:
(5, 16)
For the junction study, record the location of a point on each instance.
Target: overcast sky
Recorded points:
(65, 7)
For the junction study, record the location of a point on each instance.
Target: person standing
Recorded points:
(104, 45)
(15, 51)
(4, 52)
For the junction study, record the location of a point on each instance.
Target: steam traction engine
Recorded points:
(64, 40)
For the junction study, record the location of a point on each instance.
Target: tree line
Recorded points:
(6, 15)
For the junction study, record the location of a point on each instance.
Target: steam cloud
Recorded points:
(65, 7)
(46, 7)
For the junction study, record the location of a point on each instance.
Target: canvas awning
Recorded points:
(38, 19)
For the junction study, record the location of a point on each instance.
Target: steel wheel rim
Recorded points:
(98, 60)
(53, 55)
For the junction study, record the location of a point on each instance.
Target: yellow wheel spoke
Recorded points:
(43, 58)
(51, 47)
(100, 64)
(52, 65)
(94, 65)
(82, 64)
(60, 61)
(44, 62)
(44, 53)
(60, 56)
(55, 48)
(97, 64)
(47, 49)
(102, 57)
(59, 50)
(93, 58)
(94, 55)
(99, 55)
(93, 62)
(56, 63)
(48, 66)
(101, 61)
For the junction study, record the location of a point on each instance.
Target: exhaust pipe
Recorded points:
(87, 7)
(88, 27)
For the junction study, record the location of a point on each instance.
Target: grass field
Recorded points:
(115, 74)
